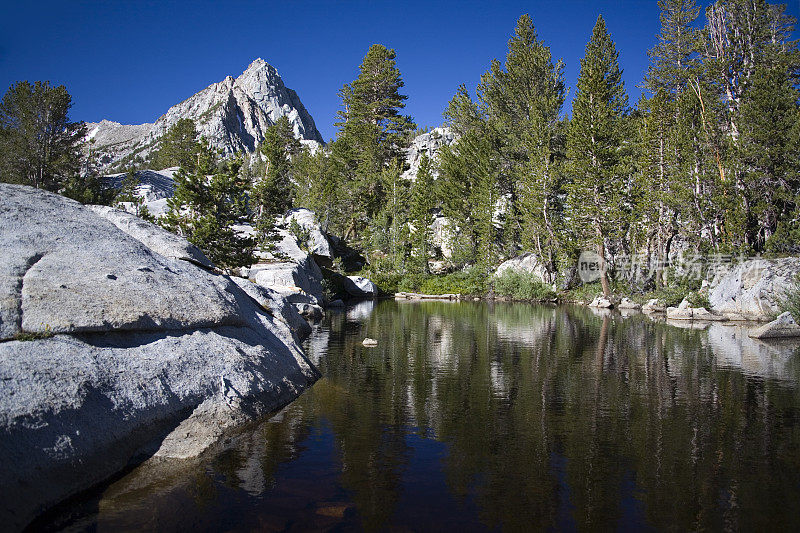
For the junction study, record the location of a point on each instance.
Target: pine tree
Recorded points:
(595, 144)
(745, 39)
(522, 102)
(272, 192)
(457, 185)
(669, 148)
(423, 202)
(769, 150)
(39, 145)
(179, 146)
(316, 188)
(128, 200)
(372, 134)
(206, 205)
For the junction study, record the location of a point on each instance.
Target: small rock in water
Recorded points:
(369, 342)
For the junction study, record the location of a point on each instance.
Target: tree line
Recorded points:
(709, 155)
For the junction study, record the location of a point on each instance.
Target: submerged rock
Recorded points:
(601, 302)
(684, 311)
(132, 352)
(627, 303)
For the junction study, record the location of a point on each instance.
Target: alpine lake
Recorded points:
(475, 416)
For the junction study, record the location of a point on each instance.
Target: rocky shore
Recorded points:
(118, 341)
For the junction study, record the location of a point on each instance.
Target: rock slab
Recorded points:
(754, 289)
(133, 352)
(781, 328)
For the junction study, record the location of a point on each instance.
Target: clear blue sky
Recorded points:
(130, 61)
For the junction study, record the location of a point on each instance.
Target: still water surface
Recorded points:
(472, 416)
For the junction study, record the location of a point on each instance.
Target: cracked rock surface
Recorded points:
(134, 353)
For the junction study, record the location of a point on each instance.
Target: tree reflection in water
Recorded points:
(507, 416)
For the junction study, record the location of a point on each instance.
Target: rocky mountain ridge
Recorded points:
(232, 115)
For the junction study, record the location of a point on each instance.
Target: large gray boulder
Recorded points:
(527, 263)
(318, 243)
(132, 353)
(653, 305)
(271, 301)
(360, 287)
(428, 144)
(754, 289)
(442, 232)
(601, 302)
(627, 303)
(291, 271)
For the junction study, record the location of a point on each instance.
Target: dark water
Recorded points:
(501, 417)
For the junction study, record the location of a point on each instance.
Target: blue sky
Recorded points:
(130, 61)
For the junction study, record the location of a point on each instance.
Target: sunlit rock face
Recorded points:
(753, 289)
(232, 115)
(427, 144)
(117, 340)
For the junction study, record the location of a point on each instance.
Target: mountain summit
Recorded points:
(231, 114)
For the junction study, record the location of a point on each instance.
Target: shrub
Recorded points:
(522, 286)
(471, 281)
(680, 288)
(387, 282)
(791, 300)
(584, 292)
(697, 299)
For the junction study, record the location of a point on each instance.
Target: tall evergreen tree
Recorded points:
(372, 134)
(596, 143)
(670, 147)
(769, 150)
(423, 201)
(522, 101)
(271, 193)
(457, 187)
(39, 145)
(316, 187)
(746, 39)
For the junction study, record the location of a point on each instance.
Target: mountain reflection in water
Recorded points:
(475, 416)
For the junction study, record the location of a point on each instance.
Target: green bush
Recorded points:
(680, 288)
(791, 300)
(696, 299)
(387, 282)
(522, 286)
(584, 292)
(471, 281)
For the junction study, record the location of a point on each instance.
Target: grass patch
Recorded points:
(33, 335)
